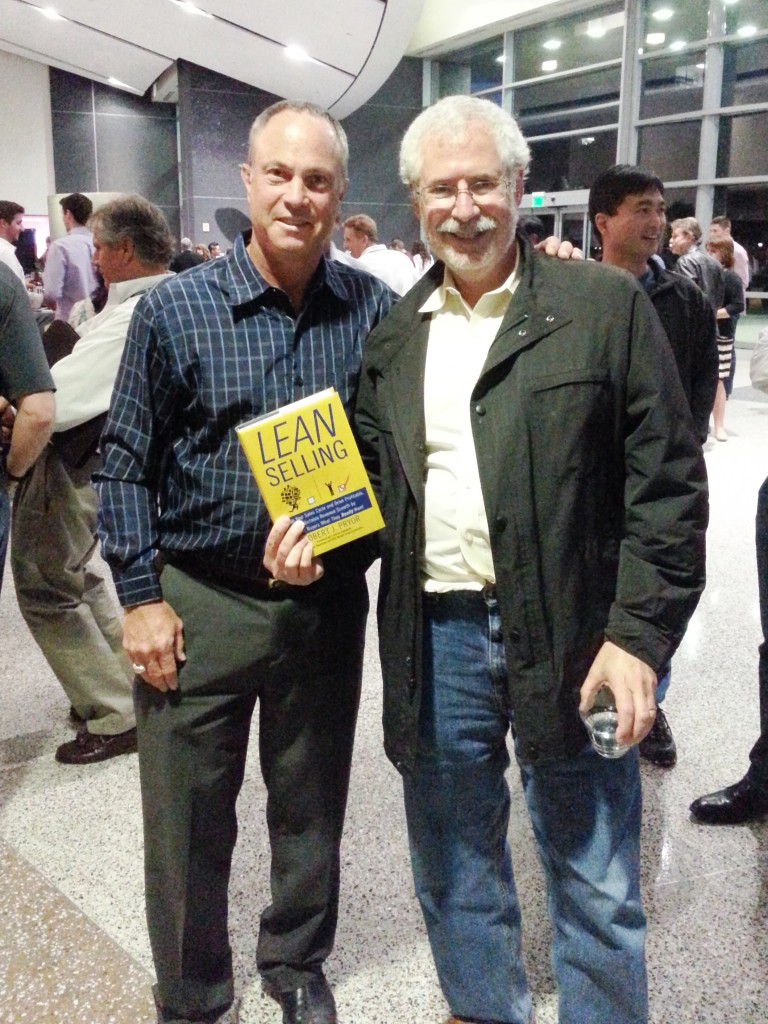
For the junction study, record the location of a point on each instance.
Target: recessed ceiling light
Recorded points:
(678, 44)
(549, 65)
(587, 140)
(552, 44)
(663, 14)
(500, 59)
(730, 3)
(296, 52)
(51, 14)
(595, 30)
(747, 30)
(189, 7)
(701, 67)
(655, 38)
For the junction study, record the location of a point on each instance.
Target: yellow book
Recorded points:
(308, 466)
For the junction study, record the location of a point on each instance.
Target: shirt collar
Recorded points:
(246, 284)
(125, 289)
(447, 291)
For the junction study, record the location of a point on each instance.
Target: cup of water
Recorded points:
(602, 721)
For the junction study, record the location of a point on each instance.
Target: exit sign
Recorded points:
(537, 199)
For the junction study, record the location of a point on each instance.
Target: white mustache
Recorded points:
(451, 226)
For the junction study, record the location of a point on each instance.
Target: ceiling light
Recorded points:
(655, 38)
(730, 3)
(189, 7)
(549, 65)
(552, 44)
(500, 59)
(296, 52)
(678, 44)
(595, 30)
(701, 67)
(587, 140)
(51, 14)
(663, 14)
(747, 30)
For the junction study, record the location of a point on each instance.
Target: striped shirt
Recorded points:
(206, 351)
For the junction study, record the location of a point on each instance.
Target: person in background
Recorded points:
(693, 261)
(27, 404)
(183, 528)
(422, 258)
(627, 211)
(185, 258)
(214, 250)
(545, 498)
(727, 318)
(201, 250)
(69, 273)
(719, 231)
(391, 265)
(62, 595)
(747, 799)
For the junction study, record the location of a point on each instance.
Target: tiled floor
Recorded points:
(73, 948)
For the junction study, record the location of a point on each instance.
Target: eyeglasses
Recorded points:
(446, 195)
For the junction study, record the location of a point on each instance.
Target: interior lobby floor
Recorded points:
(73, 946)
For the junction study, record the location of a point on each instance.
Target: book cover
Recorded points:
(307, 466)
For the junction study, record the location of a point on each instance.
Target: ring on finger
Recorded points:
(138, 669)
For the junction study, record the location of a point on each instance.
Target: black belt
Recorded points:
(463, 596)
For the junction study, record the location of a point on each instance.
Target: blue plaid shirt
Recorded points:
(206, 350)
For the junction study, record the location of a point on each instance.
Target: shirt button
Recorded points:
(550, 319)
(500, 524)
(480, 409)
(522, 332)
(514, 635)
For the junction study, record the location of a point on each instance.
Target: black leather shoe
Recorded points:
(88, 748)
(658, 747)
(733, 805)
(311, 1004)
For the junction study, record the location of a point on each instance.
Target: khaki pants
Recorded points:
(64, 601)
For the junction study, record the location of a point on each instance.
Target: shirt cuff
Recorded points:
(138, 585)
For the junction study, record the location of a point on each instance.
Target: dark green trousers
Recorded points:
(301, 658)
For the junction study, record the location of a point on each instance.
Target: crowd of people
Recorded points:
(525, 568)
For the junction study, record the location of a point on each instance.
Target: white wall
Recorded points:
(26, 166)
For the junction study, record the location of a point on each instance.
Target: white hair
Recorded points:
(452, 118)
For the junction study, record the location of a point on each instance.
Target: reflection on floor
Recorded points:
(72, 942)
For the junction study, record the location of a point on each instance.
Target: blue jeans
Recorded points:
(586, 818)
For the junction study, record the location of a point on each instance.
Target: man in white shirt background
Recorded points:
(61, 596)
(391, 266)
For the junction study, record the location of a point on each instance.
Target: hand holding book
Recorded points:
(308, 468)
(289, 555)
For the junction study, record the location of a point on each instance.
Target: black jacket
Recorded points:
(689, 322)
(593, 483)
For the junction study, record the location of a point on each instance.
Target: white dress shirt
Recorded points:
(457, 552)
(85, 378)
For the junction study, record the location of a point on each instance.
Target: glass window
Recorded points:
(672, 84)
(746, 17)
(747, 208)
(559, 165)
(741, 147)
(567, 97)
(473, 69)
(562, 45)
(670, 150)
(668, 22)
(745, 74)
